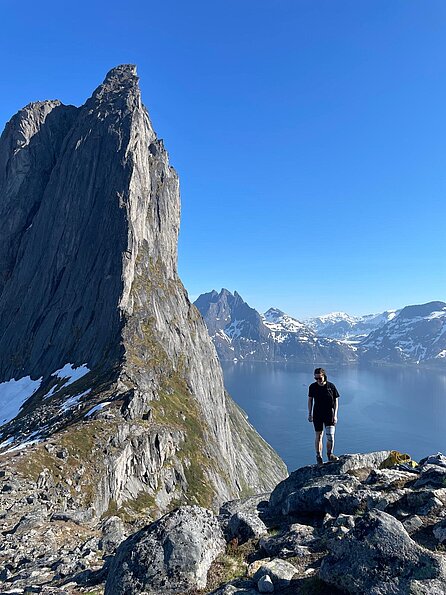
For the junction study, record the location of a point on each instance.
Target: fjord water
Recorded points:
(395, 408)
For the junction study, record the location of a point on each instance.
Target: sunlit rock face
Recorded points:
(93, 312)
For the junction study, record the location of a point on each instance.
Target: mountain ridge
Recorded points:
(415, 334)
(240, 332)
(91, 284)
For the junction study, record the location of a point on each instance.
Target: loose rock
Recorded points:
(378, 557)
(169, 556)
(265, 584)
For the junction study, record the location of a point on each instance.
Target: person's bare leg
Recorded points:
(318, 445)
(330, 442)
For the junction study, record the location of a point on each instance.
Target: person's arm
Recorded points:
(310, 408)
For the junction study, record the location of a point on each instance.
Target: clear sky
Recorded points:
(309, 135)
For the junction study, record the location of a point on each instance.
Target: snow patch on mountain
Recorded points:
(98, 407)
(416, 334)
(347, 328)
(13, 395)
(74, 400)
(278, 321)
(66, 376)
(234, 330)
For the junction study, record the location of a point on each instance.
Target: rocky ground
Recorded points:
(352, 526)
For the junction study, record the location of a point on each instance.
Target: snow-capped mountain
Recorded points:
(278, 321)
(417, 334)
(414, 334)
(240, 332)
(342, 326)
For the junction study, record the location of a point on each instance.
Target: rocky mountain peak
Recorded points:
(273, 314)
(95, 323)
(422, 309)
(121, 73)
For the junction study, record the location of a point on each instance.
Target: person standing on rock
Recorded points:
(323, 411)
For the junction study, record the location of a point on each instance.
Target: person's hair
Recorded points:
(321, 371)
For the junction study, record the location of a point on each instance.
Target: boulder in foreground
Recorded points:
(169, 556)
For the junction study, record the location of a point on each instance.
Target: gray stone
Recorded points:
(433, 476)
(301, 477)
(439, 531)
(378, 557)
(426, 502)
(336, 527)
(438, 459)
(241, 588)
(29, 521)
(280, 572)
(386, 479)
(292, 541)
(412, 524)
(265, 584)
(244, 526)
(330, 493)
(383, 499)
(113, 533)
(170, 556)
(345, 520)
(76, 516)
(240, 518)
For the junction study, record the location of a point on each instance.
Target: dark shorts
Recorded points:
(319, 421)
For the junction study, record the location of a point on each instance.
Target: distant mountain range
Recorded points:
(240, 332)
(415, 334)
(342, 326)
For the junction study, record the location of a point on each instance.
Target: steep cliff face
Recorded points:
(92, 311)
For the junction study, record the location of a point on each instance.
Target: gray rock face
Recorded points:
(331, 493)
(170, 556)
(379, 557)
(59, 304)
(283, 493)
(29, 148)
(89, 220)
(113, 534)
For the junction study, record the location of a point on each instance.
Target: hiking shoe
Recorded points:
(332, 458)
(319, 460)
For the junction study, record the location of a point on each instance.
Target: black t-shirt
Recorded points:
(323, 398)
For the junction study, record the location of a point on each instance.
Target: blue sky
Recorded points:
(309, 135)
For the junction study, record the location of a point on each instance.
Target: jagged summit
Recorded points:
(94, 320)
(121, 73)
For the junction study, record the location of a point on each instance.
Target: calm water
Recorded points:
(391, 408)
